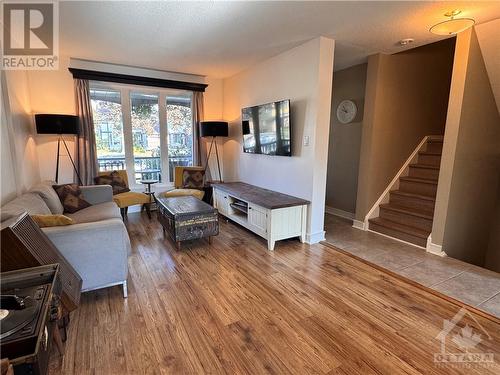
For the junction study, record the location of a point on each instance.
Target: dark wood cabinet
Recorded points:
(23, 245)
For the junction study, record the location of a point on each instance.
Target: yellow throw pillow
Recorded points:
(44, 221)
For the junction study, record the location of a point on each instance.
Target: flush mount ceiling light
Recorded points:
(453, 25)
(405, 42)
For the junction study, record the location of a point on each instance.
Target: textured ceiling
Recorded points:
(219, 39)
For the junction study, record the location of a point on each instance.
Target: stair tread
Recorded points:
(413, 195)
(436, 153)
(418, 179)
(400, 227)
(436, 140)
(426, 214)
(424, 166)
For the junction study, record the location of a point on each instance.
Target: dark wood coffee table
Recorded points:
(187, 218)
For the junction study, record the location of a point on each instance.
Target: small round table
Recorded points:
(148, 191)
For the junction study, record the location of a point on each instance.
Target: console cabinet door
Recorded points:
(257, 219)
(221, 202)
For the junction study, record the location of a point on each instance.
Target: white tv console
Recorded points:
(269, 214)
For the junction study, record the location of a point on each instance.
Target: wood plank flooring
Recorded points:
(235, 308)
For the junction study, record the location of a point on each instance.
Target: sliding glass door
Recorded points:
(146, 131)
(108, 126)
(146, 136)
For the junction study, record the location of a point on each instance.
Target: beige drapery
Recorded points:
(85, 146)
(199, 145)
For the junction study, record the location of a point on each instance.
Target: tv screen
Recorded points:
(266, 129)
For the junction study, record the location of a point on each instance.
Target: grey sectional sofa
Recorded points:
(97, 245)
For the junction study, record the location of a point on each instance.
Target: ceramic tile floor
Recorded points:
(473, 285)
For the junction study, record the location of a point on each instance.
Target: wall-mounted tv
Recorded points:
(267, 129)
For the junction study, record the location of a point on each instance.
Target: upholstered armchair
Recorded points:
(179, 190)
(129, 198)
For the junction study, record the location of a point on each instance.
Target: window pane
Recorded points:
(146, 136)
(180, 132)
(108, 126)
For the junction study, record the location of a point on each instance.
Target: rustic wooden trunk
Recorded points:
(187, 218)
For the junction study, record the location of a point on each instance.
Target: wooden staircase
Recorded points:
(409, 213)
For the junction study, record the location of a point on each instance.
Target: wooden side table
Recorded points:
(148, 191)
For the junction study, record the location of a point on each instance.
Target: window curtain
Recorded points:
(85, 147)
(199, 145)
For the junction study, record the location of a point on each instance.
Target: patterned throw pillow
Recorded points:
(71, 197)
(114, 179)
(192, 179)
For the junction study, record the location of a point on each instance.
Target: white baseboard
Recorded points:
(358, 224)
(317, 237)
(434, 249)
(339, 212)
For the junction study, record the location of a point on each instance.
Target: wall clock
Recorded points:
(346, 111)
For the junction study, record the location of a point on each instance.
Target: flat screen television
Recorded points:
(267, 129)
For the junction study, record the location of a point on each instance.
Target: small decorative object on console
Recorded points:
(29, 311)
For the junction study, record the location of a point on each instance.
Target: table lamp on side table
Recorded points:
(214, 129)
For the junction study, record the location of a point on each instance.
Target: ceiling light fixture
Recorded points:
(453, 25)
(405, 42)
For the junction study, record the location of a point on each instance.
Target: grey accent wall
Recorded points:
(345, 140)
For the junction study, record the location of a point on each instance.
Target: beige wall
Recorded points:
(406, 99)
(8, 189)
(303, 75)
(470, 172)
(213, 105)
(18, 127)
(345, 140)
(53, 92)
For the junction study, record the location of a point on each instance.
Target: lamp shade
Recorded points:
(214, 129)
(56, 124)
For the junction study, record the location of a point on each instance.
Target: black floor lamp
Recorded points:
(59, 124)
(214, 129)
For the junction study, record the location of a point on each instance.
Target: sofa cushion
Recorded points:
(29, 202)
(98, 212)
(71, 197)
(115, 180)
(50, 197)
(183, 192)
(44, 221)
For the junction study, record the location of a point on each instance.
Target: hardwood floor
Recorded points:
(236, 308)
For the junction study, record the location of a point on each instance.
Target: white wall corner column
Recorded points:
(321, 131)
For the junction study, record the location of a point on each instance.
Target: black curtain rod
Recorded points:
(136, 80)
